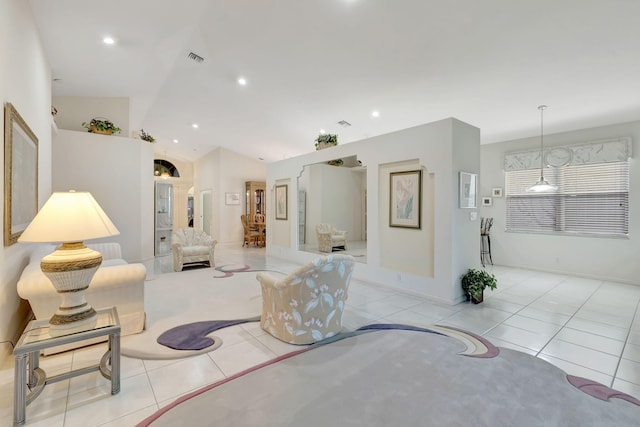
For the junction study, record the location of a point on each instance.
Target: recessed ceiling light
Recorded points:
(175, 141)
(108, 40)
(375, 113)
(242, 81)
(322, 131)
(195, 126)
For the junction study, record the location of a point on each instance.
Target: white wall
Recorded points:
(74, 110)
(595, 257)
(119, 173)
(25, 81)
(224, 171)
(435, 149)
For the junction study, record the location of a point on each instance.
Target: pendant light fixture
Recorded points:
(543, 185)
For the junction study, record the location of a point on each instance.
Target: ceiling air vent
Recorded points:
(196, 57)
(344, 123)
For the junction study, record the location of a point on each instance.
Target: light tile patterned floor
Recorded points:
(586, 327)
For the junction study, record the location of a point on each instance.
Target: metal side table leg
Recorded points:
(114, 344)
(20, 390)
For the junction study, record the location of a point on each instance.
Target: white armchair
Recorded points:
(191, 246)
(307, 305)
(329, 237)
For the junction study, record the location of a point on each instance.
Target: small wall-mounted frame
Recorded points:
(231, 198)
(468, 185)
(282, 202)
(20, 175)
(496, 192)
(486, 201)
(405, 199)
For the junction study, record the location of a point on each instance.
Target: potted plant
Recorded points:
(101, 125)
(146, 137)
(326, 140)
(475, 281)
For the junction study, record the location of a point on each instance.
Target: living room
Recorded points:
(427, 262)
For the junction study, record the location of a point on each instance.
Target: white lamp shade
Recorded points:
(69, 217)
(542, 186)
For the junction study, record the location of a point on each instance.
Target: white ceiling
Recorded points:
(312, 63)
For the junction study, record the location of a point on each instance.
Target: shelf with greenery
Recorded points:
(101, 125)
(146, 137)
(326, 140)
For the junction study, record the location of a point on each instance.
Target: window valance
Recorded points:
(604, 151)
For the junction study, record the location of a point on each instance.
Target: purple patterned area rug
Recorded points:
(193, 336)
(395, 375)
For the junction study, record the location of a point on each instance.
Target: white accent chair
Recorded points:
(191, 246)
(329, 238)
(116, 283)
(307, 305)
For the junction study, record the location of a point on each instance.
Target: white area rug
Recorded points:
(175, 299)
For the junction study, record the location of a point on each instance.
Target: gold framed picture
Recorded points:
(20, 175)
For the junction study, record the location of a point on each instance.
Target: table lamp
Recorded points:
(69, 218)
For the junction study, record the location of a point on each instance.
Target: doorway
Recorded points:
(206, 205)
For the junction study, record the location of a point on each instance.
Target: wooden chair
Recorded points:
(259, 223)
(250, 235)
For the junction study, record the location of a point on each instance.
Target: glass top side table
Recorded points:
(38, 335)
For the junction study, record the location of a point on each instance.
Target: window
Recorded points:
(592, 198)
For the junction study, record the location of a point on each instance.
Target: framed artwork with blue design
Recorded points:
(468, 190)
(405, 199)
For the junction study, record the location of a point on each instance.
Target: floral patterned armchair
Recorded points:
(307, 305)
(191, 246)
(329, 237)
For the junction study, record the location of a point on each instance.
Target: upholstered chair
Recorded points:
(307, 305)
(329, 238)
(191, 246)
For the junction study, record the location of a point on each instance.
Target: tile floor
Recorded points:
(589, 328)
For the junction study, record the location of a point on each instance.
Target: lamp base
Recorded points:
(70, 269)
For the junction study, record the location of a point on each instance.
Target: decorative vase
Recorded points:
(323, 145)
(101, 132)
(477, 300)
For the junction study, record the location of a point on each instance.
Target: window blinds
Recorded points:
(591, 198)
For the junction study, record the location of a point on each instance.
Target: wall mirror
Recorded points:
(335, 195)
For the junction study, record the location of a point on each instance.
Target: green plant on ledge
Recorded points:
(475, 281)
(146, 137)
(102, 126)
(324, 140)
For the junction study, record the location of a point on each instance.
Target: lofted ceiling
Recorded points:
(312, 63)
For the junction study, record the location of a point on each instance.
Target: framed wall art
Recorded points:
(282, 202)
(496, 192)
(486, 201)
(20, 175)
(405, 199)
(231, 198)
(467, 190)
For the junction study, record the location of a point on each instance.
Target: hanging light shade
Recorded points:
(542, 186)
